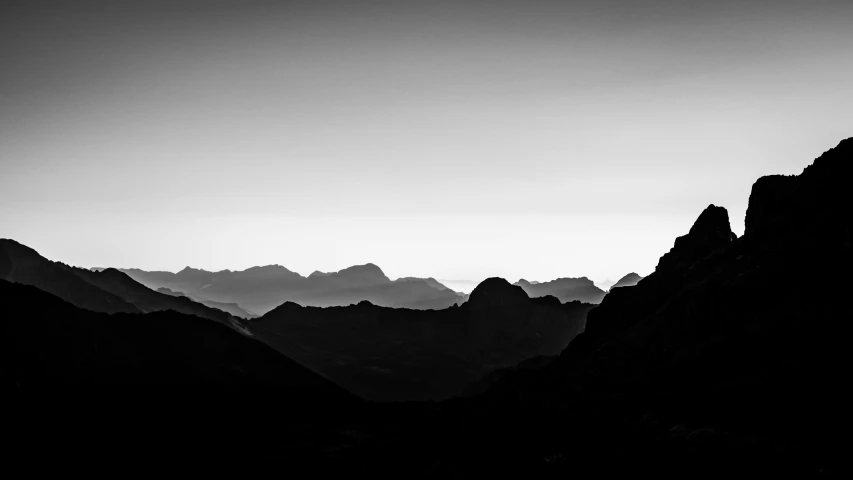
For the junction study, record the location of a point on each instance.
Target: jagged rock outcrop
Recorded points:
(730, 355)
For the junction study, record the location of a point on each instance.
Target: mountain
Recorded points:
(81, 381)
(429, 281)
(627, 281)
(383, 353)
(231, 308)
(728, 359)
(260, 289)
(565, 289)
(107, 290)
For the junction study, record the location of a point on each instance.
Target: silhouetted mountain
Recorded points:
(727, 358)
(627, 281)
(231, 308)
(260, 289)
(48, 342)
(429, 281)
(123, 384)
(383, 353)
(565, 289)
(494, 293)
(108, 290)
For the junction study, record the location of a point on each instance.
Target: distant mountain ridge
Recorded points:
(564, 289)
(261, 289)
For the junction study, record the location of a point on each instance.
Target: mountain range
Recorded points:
(258, 290)
(383, 353)
(730, 359)
(564, 289)
(106, 291)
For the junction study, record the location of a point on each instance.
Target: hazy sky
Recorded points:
(458, 140)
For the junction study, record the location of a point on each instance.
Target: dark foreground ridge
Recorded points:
(730, 360)
(398, 354)
(172, 388)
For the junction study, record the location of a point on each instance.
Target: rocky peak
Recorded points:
(710, 232)
(496, 292)
(806, 211)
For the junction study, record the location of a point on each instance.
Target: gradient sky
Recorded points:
(458, 140)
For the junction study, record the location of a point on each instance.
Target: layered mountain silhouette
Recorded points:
(730, 359)
(163, 387)
(727, 358)
(627, 281)
(231, 308)
(107, 290)
(564, 289)
(260, 289)
(48, 341)
(384, 353)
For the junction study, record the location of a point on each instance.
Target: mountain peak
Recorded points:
(497, 292)
(368, 271)
(788, 204)
(627, 281)
(713, 220)
(190, 271)
(710, 232)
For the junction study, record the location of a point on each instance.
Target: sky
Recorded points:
(456, 140)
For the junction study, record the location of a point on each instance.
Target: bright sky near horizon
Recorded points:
(457, 140)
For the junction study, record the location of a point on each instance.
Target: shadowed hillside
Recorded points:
(107, 290)
(401, 354)
(718, 363)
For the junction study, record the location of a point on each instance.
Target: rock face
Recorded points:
(564, 289)
(721, 357)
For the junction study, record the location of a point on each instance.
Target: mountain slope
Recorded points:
(385, 353)
(231, 308)
(627, 281)
(107, 290)
(157, 390)
(728, 358)
(21, 264)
